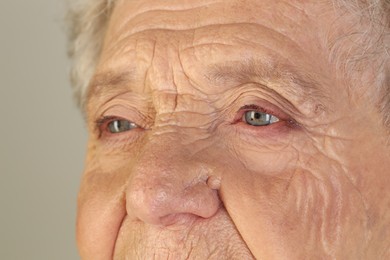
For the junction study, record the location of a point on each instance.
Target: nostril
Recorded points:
(177, 220)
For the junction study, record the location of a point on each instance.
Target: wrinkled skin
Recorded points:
(194, 180)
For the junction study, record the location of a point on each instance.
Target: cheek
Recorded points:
(287, 199)
(270, 155)
(100, 208)
(270, 160)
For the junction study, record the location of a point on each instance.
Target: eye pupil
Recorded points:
(257, 115)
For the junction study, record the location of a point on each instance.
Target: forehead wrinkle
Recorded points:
(160, 14)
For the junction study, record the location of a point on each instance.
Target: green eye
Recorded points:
(119, 126)
(257, 118)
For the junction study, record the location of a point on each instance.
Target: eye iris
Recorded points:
(257, 118)
(119, 126)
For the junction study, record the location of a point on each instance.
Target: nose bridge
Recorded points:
(167, 185)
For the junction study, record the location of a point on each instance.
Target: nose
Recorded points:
(167, 186)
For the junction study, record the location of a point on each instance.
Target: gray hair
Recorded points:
(88, 19)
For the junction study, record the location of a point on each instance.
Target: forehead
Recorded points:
(219, 41)
(285, 23)
(187, 14)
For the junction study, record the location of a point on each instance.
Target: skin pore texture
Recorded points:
(192, 179)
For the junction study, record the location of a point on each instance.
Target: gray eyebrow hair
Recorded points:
(110, 78)
(252, 70)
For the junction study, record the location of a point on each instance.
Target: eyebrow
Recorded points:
(292, 80)
(110, 78)
(253, 70)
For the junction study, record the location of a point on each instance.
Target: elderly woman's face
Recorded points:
(225, 130)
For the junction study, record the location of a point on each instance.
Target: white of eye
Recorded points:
(119, 126)
(257, 118)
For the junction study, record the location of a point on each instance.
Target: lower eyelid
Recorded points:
(118, 142)
(268, 131)
(122, 138)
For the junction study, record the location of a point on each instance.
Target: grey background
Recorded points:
(42, 135)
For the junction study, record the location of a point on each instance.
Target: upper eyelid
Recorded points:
(125, 111)
(120, 101)
(255, 108)
(105, 119)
